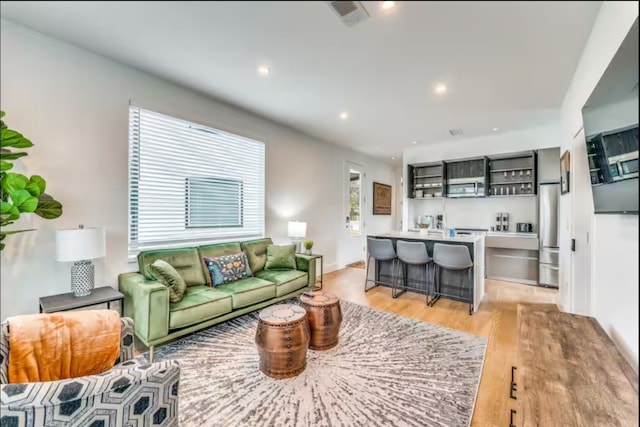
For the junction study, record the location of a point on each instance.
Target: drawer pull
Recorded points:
(513, 387)
(511, 424)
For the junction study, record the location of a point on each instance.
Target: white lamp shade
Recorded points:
(80, 244)
(297, 229)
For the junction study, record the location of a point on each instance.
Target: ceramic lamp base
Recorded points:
(82, 278)
(297, 243)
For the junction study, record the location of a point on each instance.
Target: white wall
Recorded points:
(611, 116)
(611, 257)
(478, 212)
(74, 106)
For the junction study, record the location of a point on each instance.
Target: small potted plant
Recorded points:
(308, 244)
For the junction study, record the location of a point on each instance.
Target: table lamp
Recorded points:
(81, 245)
(297, 231)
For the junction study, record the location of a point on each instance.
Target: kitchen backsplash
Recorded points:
(477, 213)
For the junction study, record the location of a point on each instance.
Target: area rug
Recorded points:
(387, 370)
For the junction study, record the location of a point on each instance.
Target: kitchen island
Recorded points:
(453, 283)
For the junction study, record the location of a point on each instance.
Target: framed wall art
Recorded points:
(381, 199)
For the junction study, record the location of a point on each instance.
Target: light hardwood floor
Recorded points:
(495, 320)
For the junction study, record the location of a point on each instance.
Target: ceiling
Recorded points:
(506, 65)
(620, 80)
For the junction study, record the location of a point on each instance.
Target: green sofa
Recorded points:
(156, 320)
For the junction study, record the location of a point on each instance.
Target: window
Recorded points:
(190, 184)
(226, 194)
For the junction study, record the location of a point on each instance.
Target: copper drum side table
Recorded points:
(282, 338)
(325, 316)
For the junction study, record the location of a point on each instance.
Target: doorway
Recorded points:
(354, 202)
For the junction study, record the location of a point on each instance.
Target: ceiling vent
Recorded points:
(349, 12)
(455, 132)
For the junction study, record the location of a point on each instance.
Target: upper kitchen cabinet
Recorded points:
(426, 180)
(549, 165)
(513, 174)
(466, 178)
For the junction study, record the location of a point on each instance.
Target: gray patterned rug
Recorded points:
(387, 370)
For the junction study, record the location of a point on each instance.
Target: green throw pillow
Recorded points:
(164, 273)
(279, 257)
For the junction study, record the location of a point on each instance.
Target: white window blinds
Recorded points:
(190, 184)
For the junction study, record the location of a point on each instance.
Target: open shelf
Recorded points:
(512, 182)
(511, 169)
(427, 176)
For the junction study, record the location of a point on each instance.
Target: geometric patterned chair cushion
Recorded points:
(133, 393)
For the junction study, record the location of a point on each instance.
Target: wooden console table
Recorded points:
(570, 373)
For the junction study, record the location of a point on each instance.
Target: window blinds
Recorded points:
(190, 184)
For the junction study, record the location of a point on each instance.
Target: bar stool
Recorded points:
(451, 257)
(412, 253)
(380, 250)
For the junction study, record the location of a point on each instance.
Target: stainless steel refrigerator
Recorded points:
(549, 255)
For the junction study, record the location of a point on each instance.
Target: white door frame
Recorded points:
(354, 245)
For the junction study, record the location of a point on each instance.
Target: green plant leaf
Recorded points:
(33, 189)
(48, 208)
(24, 201)
(9, 213)
(14, 181)
(8, 155)
(12, 138)
(40, 182)
(17, 231)
(2, 113)
(5, 165)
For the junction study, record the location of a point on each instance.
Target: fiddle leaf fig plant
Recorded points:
(19, 193)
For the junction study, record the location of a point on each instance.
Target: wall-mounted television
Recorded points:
(610, 119)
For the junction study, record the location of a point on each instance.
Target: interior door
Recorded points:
(354, 223)
(582, 209)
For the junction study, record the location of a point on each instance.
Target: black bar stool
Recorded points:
(412, 253)
(451, 257)
(380, 250)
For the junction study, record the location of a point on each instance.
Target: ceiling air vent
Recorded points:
(455, 132)
(349, 12)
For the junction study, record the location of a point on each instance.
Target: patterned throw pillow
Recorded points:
(228, 268)
(164, 273)
(281, 257)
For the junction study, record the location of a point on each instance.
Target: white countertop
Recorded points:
(440, 237)
(511, 234)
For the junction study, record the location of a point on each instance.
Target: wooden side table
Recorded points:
(66, 302)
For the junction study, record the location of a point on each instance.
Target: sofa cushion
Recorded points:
(281, 257)
(286, 281)
(248, 291)
(199, 303)
(216, 250)
(185, 261)
(227, 268)
(168, 276)
(256, 253)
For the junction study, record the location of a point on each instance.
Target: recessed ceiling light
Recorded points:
(495, 129)
(393, 157)
(415, 142)
(263, 70)
(344, 115)
(388, 4)
(440, 89)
